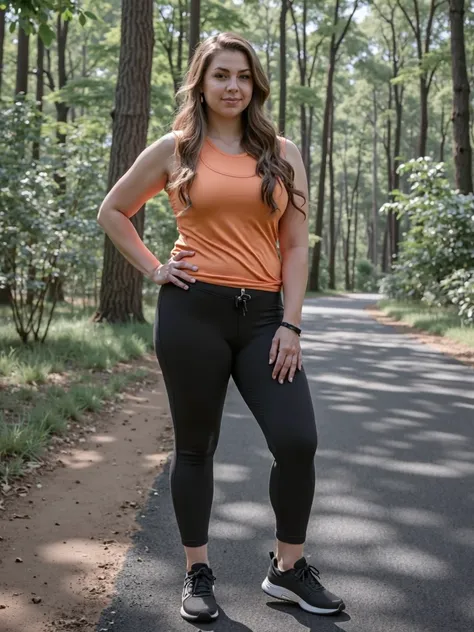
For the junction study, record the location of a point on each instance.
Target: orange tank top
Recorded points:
(232, 231)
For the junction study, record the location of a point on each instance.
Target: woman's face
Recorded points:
(228, 84)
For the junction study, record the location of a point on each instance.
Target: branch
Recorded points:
(346, 28)
(314, 59)
(298, 45)
(407, 17)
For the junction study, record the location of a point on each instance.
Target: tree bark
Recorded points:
(282, 106)
(460, 117)
(332, 204)
(23, 56)
(375, 206)
(194, 26)
(2, 45)
(121, 286)
(333, 50)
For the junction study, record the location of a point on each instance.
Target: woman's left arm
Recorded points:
(294, 244)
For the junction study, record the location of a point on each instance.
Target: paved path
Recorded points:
(392, 529)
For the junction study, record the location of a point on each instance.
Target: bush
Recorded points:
(366, 276)
(439, 238)
(459, 287)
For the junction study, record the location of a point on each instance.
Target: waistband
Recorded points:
(225, 291)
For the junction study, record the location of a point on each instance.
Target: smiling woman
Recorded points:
(239, 193)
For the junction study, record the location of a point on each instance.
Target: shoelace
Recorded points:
(310, 573)
(200, 583)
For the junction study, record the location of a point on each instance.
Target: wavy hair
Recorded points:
(259, 137)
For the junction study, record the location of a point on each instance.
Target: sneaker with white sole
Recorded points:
(198, 602)
(301, 585)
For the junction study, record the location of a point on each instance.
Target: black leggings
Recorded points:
(202, 337)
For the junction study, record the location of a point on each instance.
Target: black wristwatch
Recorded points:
(294, 328)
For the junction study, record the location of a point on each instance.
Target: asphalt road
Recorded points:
(392, 528)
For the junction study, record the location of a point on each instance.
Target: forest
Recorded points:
(376, 95)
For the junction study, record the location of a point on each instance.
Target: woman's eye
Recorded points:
(245, 76)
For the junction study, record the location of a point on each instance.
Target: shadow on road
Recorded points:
(391, 530)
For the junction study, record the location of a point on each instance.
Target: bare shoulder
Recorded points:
(293, 154)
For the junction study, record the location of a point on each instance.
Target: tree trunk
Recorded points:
(316, 258)
(22, 63)
(332, 209)
(121, 287)
(39, 88)
(36, 145)
(423, 137)
(333, 50)
(56, 289)
(2, 45)
(460, 117)
(194, 26)
(375, 205)
(282, 106)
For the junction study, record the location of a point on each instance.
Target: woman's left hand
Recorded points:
(286, 351)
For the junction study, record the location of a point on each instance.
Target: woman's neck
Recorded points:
(227, 131)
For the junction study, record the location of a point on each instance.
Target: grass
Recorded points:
(435, 320)
(45, 386)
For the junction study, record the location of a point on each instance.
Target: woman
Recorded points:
(239, 195)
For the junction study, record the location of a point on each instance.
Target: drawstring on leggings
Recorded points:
(241, 301)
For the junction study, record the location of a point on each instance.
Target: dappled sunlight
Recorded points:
(103, 438)
(231, 530)
(414, 517)
(410, 561)
(80, 459)
(349, 531)
(379, 595)
(152, 461)
(351, 505)
(253, 514)
(230, 473)
(79, 552)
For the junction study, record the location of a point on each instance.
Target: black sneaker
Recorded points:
(199, 603)
(301, 585)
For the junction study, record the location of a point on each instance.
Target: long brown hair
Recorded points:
(259, 138)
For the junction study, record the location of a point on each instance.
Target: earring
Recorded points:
(202, 98)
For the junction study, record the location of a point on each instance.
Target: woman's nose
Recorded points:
(232, 85)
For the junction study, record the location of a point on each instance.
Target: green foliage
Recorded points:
(44, 233)
(439, 240)
(459, 288)
(366, 276)
(33, 15)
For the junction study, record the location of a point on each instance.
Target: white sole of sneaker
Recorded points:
(198, 617)
(287, 595)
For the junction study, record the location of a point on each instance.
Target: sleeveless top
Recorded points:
(232, 231)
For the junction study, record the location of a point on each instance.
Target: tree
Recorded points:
(121, 287)
(282, 106)
(194, 26)
(2, 43)
(460, 117)
(334, 46)
(35, 14)
(423, 31)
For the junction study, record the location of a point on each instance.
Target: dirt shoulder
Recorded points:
(454, 349)
(65, 532)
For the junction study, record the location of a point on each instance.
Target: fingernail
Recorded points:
(281, 381)
(291, 379)
(193, 280)
(195, 267)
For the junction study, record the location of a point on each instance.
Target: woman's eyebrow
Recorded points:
(227, 70)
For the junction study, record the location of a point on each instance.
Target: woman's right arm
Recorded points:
(145, 179)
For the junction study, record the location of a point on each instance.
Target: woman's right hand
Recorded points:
(174, 271)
